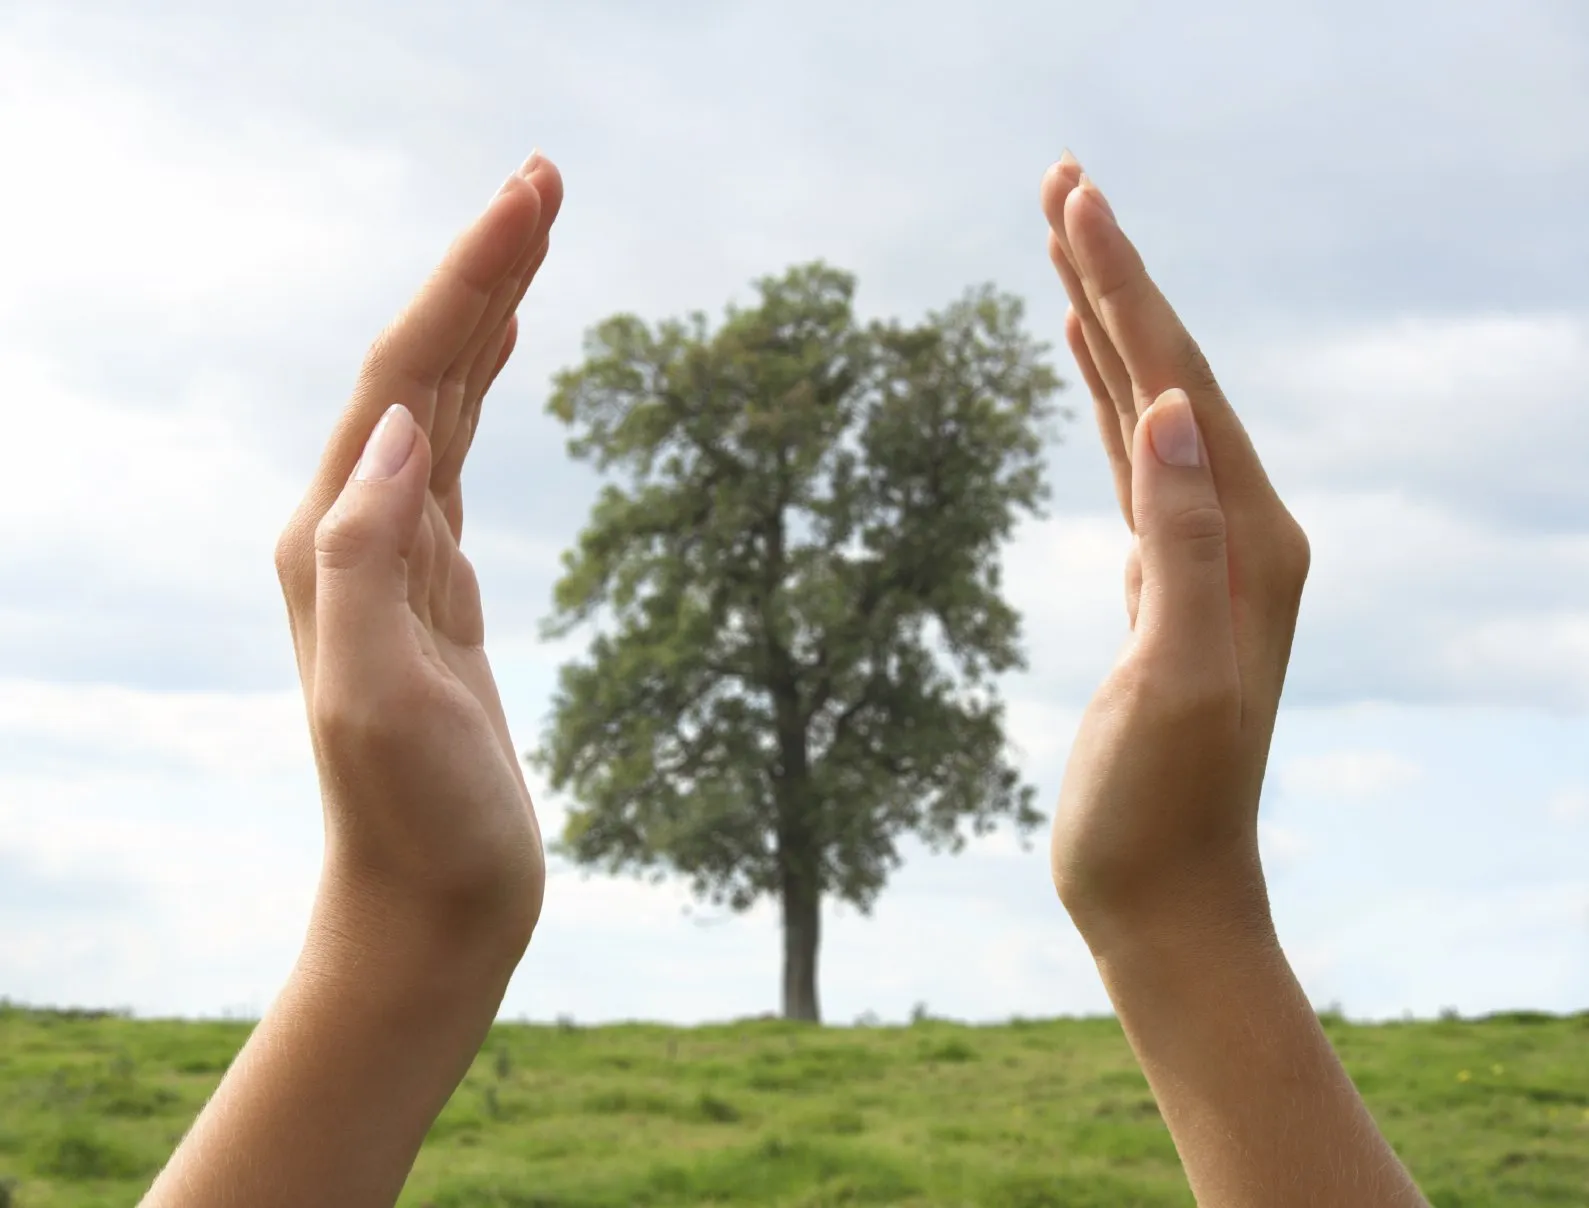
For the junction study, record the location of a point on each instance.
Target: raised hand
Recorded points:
(1155, 845)
(426, 806)
(1160, 803)
(434, 869)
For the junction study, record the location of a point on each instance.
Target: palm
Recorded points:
(442, 589)
(452, 785)
(1116, 827)
(444, 595)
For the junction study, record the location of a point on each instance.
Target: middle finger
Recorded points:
(1060, 180)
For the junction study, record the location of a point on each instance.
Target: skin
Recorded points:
(1155, 842)
(434, 869)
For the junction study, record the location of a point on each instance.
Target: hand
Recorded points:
(434, 869)
(1156, 837)
(427, 814)
(1158, 815)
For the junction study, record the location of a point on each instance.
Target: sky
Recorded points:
(1372, 217)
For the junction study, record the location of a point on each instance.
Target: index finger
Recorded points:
(1155, 347)
(407, 362)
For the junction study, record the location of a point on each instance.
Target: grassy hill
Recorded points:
(1022, 1115)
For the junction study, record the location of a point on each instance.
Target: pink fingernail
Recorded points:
(1172, 430)
(387, 450)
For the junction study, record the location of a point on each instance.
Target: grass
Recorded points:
(1023, 1115)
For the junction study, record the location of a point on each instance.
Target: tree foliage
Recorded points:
(795, 592)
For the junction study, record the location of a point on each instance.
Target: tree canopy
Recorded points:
(794, 593)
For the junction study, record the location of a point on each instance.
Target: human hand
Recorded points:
(428, 818)
(1157, 818)
(1155, 850)
(434, 869)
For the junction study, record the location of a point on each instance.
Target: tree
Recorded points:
(796, 594)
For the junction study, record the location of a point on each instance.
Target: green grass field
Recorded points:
(1022, 1115)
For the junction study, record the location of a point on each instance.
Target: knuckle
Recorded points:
(287, 558)
(1293, 556)
(339, 539)
(294, 568)
(1197, 376)
(1204, 698)
(1211, 704)
(379, 357)
(350, 723)
(357, 717)
(1117, 296)
(1199, 531)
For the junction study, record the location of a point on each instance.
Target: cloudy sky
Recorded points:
(1372, 216)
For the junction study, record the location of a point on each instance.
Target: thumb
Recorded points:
(1184, 608)
(363, 543)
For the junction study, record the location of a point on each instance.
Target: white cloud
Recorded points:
(1546, 651)
(1040, 732)
(188, 285)
(1411, 600)
(179, 497)
(1281, 846)
(1349, 775)
(1066, 575)
(1479, 949)
(117, 202)
(244, 734)
(1484, 413)
(208, 879)
(1570, 805)
(139, 544)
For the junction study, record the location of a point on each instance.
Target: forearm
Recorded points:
(330, 1099)
(1260, 1108)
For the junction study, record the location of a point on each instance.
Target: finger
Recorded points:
(1100, 349)
(1133, 583)
(407, 361)
(461, 302)
(488, 363)
(1184, 612)
(453, 395)
(458, 386)
(451, 502)
(1109, 432)
(1156, 349)
(449, 465)
(1058, 182)
(362, 549)
(490, 359)
(510, 339)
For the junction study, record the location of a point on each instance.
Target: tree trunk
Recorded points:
(802, 928)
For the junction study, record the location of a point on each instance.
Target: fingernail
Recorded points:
(387, 450)
(1067, 159)
(1087, 186)
(528, 165)
(1172, 430)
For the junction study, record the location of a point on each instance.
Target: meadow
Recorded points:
(1028, 1114)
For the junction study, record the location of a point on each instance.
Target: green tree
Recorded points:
(795, 594)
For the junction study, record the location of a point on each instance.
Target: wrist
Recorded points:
(1255, 1098)
(332, 1096)
(1186, 956)
(1219, 898)
(1186, 952)
(381, 938)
